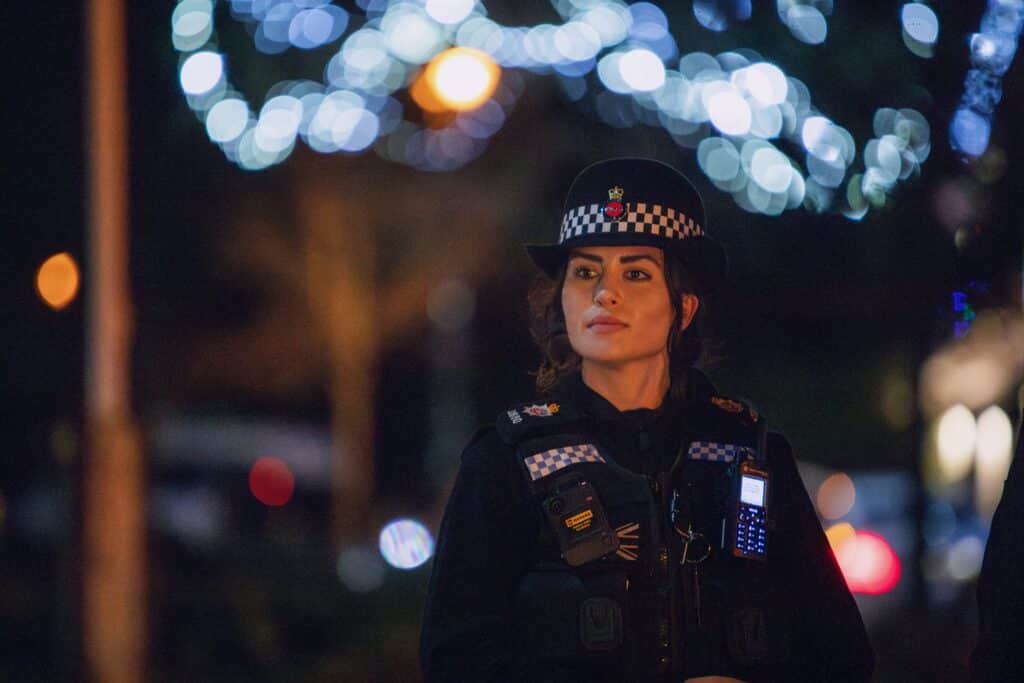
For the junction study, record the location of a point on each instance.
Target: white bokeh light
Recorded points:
(994, 455)
(729, 112)
(227, 120)
(411, 35)
(278, 123)
(449, 11)
(463, 76)
(920, 22)
(201, 72)
(771, 170)
(642, 70)
(406, 544)
(765, 82)
(191, 24)
(955, 439)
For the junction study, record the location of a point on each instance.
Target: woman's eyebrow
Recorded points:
(585, 255)
(639, 257)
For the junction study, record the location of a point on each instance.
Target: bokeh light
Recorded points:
(449, 11)
(920, 28)
(227, 120)
(450, 305)
(838, 534)
(717, 15)
(806, 22)
(191, 24)
(868, 563)
(201, 72)
(732, 94)
(406, 544)
(360, 569)
(994, 455)
(727, 110)
(836, 496)
(461, 79)
(955, 439)
(964, 557)
(978, 370)
(271, 481)
(642, 70)
(57, 280)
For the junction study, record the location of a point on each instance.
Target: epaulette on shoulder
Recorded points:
(737, 409)
(524, 418)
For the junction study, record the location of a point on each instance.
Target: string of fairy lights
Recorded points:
(756, 132)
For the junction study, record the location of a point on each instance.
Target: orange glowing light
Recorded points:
(271, 482)
(836, 496)
(458, 79)
(868, 563)
(57, 280)
(838, 534)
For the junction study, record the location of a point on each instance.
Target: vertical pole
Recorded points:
(114, 616)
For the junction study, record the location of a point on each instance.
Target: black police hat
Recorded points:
(632, 201)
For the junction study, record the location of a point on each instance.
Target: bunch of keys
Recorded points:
(700, 551)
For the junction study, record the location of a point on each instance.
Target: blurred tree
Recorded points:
(348, 260)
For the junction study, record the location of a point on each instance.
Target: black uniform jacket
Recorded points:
(999, 655)
(504, 605)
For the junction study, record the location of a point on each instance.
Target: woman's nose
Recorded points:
(604, 295)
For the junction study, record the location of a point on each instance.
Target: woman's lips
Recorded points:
(605, 325)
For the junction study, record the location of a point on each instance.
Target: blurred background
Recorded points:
(264, 278)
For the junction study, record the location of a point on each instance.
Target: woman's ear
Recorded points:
(690, 304)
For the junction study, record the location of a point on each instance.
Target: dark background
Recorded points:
(819, 311)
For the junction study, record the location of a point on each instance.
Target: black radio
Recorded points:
(749, 521)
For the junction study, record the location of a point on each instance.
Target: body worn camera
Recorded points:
(749, 520)
(578, 520)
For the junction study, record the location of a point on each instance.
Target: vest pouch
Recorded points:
(565, 620)
(600, 624)
(756, 622)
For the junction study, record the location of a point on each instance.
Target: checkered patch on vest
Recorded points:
(649, 219)
(548, 462)
(717, 452)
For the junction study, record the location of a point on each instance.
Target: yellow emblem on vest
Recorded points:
(580, 521)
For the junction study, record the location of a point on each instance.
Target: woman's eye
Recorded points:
(637, 275)
(583, 273)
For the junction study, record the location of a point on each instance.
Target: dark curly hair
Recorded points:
(547, 326)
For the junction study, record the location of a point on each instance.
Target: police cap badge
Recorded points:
(634, 201)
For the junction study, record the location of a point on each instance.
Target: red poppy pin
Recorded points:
(614, 208)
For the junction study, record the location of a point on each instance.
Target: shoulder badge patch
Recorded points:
(727, 404)
(541, 410)
(736, 407)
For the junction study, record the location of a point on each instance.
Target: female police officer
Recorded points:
(631, 525)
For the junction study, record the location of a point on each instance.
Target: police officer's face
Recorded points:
(616, 304)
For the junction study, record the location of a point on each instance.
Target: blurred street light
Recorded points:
(57, 280)
(458, 79)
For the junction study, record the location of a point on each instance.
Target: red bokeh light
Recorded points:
(271, 482)
(869, 563)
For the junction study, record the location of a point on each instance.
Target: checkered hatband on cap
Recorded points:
(540, 465)
(717, 452)
(639, 217)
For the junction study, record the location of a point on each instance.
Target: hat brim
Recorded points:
(702, 256)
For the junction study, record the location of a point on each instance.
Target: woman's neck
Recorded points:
(639, 384)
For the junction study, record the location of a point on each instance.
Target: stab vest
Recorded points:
(607, 595)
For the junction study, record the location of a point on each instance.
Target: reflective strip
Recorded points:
(717, 452)
(648, 219)
(548, 462)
